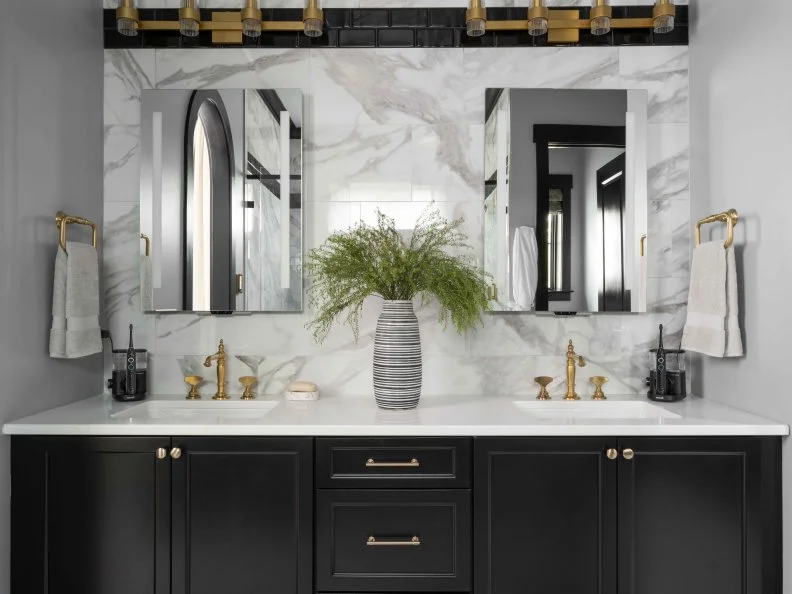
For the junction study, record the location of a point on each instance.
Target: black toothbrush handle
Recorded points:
(131, 366)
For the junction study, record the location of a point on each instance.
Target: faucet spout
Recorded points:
(573, 360)
(220, 357)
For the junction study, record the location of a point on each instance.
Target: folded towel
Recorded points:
(146, 284)
(712, 327)
(75, 303)
(525, 267)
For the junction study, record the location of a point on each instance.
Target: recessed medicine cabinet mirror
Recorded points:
(565, 200)
(221, 217)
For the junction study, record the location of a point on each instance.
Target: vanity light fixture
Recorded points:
(228, 27)
(601, 14)
(563, 26)
(127, 18)
(537, 18)
(663, 16)
(251, 19)
(189, 18)
(312, 18)
(476, 18)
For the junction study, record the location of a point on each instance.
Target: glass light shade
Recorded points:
(128, 27)
(127, 18)
(476, 27)
(312, 27)
(188, 25)
(664, 23)
(537, 27)
(251, 28)
(600, 25)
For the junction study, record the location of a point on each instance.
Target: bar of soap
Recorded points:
(301, 386)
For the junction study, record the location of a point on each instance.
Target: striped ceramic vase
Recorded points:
(397, 357)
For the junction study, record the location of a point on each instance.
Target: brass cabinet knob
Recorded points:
(612, 453)
(176, 453)
(161, 453)
(628, 454)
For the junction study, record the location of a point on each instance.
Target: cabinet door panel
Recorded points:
(102, 525)
(545, 516)
(242, 516)
(690, 517)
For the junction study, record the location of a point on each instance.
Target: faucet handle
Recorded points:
(581, 361)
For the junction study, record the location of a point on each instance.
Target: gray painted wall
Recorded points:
(740, 90)
(50, 159)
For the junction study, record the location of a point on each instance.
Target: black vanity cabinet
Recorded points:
(633, 516)
(90, 515)
(138, 515)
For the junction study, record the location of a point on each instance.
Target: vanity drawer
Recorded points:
(432, 463)
(393, 541)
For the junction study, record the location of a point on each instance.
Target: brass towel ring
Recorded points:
(147, 239)
(729, 217)
(62, 220)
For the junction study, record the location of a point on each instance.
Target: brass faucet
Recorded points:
(220, 357)
(573, 359)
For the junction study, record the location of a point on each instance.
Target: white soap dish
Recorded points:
(302, 396)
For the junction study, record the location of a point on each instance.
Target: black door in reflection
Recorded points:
(610, 204)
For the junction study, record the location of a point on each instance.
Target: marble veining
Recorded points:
(394, 129)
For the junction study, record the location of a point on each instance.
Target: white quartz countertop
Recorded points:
(435, 416)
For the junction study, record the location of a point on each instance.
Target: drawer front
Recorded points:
(431, 463)
(393, 541)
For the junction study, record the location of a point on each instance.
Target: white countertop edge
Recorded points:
(404, 431)
(458, 416)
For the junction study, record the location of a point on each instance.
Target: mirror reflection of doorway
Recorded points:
(208, 262)
(611, 204)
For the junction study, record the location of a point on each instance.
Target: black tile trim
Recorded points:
(395, 27)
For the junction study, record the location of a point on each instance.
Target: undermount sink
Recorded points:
(607, 410)
(197, 410)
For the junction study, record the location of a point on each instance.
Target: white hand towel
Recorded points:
(146, 284)
(75, 303)
(712, 327)
(525, 267)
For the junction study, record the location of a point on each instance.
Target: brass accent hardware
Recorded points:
(543, 381)
(62, 220)
(147, 239)
(564, 25)
(220, 357)
(371, 463)
(643, 245)
(492, 292)
(227, 26)
(612, 453)
(248, 381)
(730, 217)
(176, 453)
(573, 359)
(193, 381)
(239, 284)
(162, 453)
(412, 542)
(598, 381)
(628, 454)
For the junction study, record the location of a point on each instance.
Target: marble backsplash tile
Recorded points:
(394, 130)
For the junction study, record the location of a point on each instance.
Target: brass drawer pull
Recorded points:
(371, 463)
(373, 542)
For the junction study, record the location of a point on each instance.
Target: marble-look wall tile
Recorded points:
(387, 86)
(392, 130)
(126, 72)
(232, 68)
(663, 72)
(557, 67)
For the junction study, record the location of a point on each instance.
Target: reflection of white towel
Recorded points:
(75, 303)
(525, 267)
(712, 327)
(146, 284)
